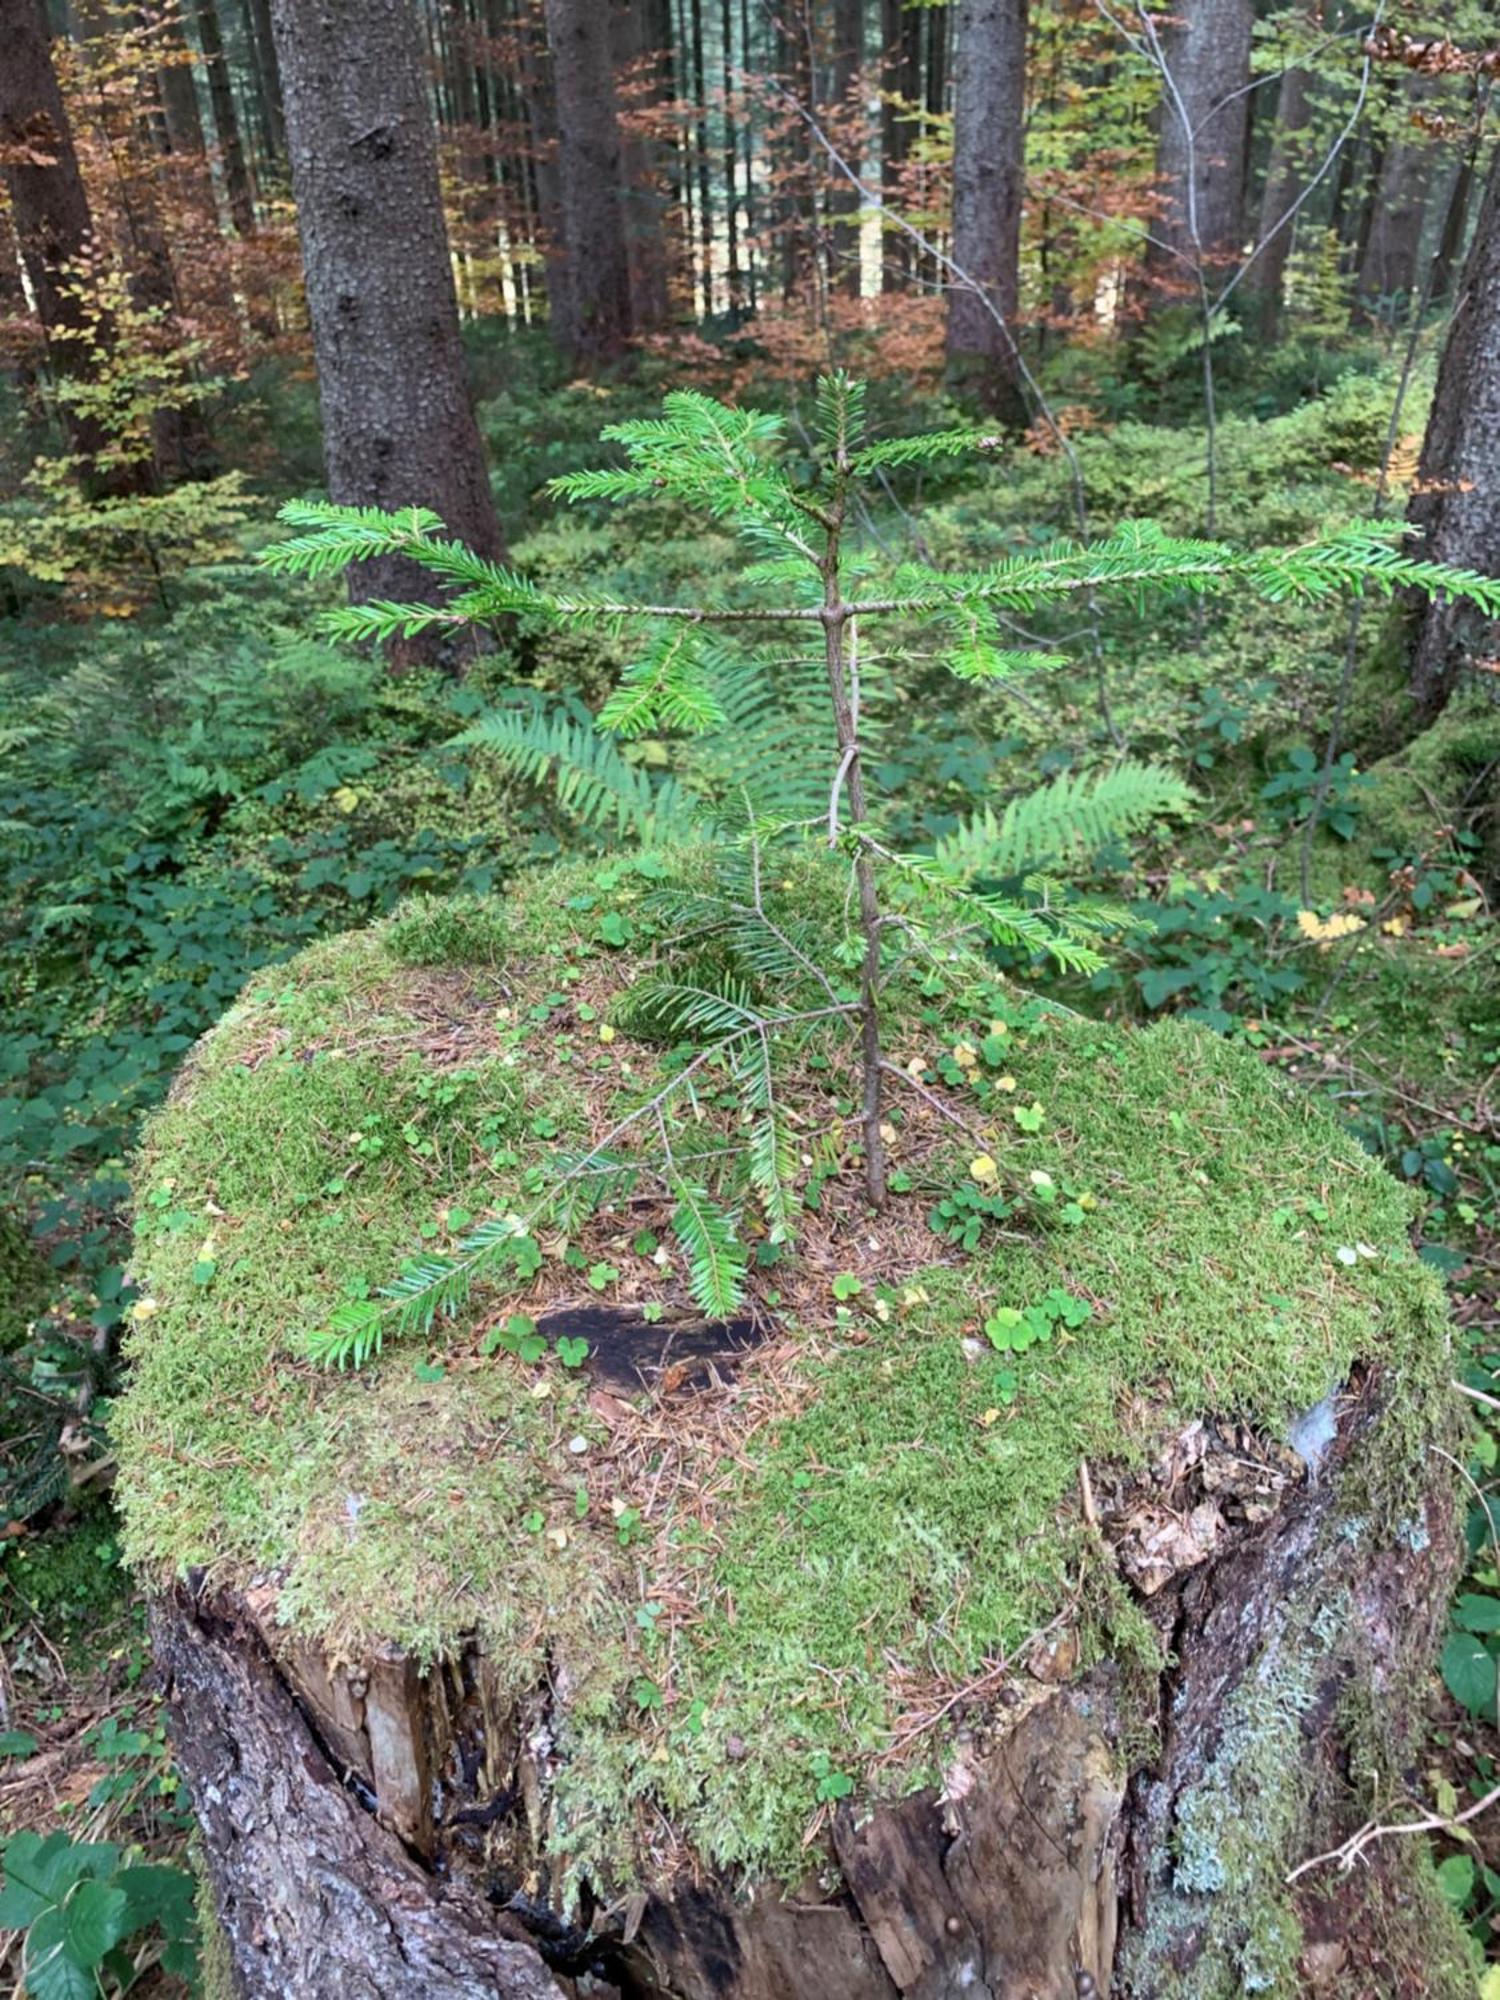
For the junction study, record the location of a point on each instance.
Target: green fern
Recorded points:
(1073, 815)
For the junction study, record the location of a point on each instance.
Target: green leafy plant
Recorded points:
(760, 747)
(80, 1904)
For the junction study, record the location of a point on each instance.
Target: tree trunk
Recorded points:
(900, 75)
(1201, 145)
(1456, 214)
(51, 219)
(1286, 175)
(643, 69)
(1388, 260)
(845, 102)
(369, 1829)
(988, 181)
(1456, 506)
(238, 191)
(269, 101)
(398, 428)
(179, 94)
(596, 323)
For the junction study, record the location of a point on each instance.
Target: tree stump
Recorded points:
(827, 1652)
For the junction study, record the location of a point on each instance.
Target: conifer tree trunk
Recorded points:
(238, 191)
(179, 94)
(50, 216)
(1201, 143)
(644, 69)
(596, 323)
(1456, 507)
(900, 77)
(269, 105)
(988, 143)
(1388, 257)
(398, 428)
(1285, 176)
(846, 73)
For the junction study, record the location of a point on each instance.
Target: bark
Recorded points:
(988, 182)
(846, 92)
(900, 78)
(51, 219)
(367, 1829)
(1286, 176)
(269, 103)
(398, 428)
(596, 322)
(644, 68)
(238, 191)
(1201, 144)
(1456, 508)
(314, 1899)
(1445, 261)
(1388, 259)
(179, 94)
(540, 97)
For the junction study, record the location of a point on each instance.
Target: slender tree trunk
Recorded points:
(988, 179)
(847, 74)
(701, 155)
(52, 223)
(238, 191)
(538, 89)
(597, 323)
(639, 65)
(398, 429)
(269, 102)
(1456, 215)
(1285, 178)
(1201, 143)
(734, 271)
(179, 94)
(1456, 507)
(1388, 259)
(900, 77)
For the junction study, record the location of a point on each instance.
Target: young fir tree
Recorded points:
(771, 750)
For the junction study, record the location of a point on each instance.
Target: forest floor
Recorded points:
(197, 790)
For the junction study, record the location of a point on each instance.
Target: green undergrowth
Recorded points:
(740, 1630)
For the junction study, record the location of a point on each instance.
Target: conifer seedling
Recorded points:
(759, 694)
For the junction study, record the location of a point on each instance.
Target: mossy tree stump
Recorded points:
(828, 1653)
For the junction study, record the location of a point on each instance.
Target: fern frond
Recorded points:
(1073, 815)
(593, 782)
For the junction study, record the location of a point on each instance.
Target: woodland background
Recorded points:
(482, 229)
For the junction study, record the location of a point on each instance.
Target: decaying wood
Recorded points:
(375, 1832)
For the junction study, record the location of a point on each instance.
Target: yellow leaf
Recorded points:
(1395, 926)
(984, 1170)
(346, 798)
(1005, 1083)
(1489, 1986)
(606, 1032)
(1324, 930)
(965, 1055)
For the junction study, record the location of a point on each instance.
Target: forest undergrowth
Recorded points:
(196, 789)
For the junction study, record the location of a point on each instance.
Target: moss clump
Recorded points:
(747, 1593)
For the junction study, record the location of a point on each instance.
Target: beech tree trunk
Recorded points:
(369, 1830)
(988, 180)
(595, 324)
(1456, 507)
(398, 428)
(1201, 144)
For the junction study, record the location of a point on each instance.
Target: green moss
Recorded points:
(874, 1517)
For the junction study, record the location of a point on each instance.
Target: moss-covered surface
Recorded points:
(24, 1281)
(751, 1591)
